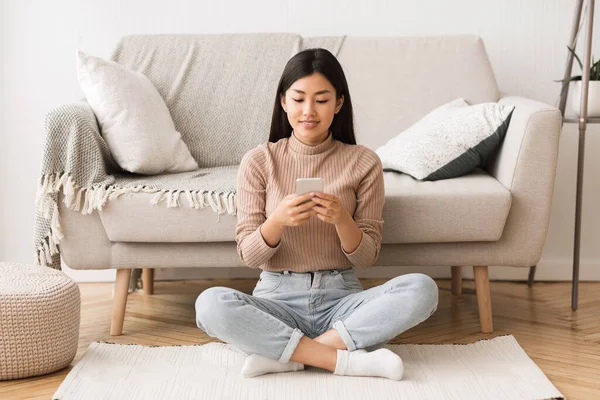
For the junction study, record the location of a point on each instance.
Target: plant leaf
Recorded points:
(595, 71)
(576, 57)
(567, 81)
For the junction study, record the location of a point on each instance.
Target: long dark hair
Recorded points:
(304, 64)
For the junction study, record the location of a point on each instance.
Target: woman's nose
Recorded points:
(309, 109)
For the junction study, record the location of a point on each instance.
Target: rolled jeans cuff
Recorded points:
(343, 332)
(291, 346)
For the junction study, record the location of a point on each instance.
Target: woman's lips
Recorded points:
(309, 124)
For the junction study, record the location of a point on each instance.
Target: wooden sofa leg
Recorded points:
(120, 301)
(456, 280)
(484, 298)
(531, 277)
(148, 280)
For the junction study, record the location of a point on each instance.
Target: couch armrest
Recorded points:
(531, 143)
(74, 158)
(526, 165)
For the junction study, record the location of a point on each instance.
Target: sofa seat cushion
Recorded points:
(145, 215)
(131, 218)
(472, 207)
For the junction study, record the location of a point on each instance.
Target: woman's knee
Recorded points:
(210, 306)
(423, 287)
(429, 290)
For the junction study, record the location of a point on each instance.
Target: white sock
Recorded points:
(256, 365)
(382, 363)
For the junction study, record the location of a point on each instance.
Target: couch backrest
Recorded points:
(395, 81)
(219, 89)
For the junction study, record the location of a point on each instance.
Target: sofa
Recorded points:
(497, 215)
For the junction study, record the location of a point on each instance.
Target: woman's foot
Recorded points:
(256, 365)
(382, 363)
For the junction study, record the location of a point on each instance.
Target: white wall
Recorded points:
(3, 122)
(525, 40)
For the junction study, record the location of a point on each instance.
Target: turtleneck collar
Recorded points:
(301, 148)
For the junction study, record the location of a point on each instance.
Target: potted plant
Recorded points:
(593, 89)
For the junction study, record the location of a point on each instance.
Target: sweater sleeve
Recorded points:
(251, 200)
(368, 213)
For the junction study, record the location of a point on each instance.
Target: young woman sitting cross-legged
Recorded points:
(309, 308)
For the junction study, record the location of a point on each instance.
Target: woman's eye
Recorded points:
(301, 100)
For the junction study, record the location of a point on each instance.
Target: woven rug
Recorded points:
(488, 369)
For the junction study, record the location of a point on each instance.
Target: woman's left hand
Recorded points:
(329, 208)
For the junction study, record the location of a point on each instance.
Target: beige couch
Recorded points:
(497, 216)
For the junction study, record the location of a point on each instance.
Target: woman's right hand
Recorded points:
(291, 211)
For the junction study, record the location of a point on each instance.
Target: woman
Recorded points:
(308, 306)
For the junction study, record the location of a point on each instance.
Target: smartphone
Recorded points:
(307, 185)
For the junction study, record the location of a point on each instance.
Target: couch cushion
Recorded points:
(473, 207)
(133, 117)
(131, 218)
(449, 142)
(395, 81)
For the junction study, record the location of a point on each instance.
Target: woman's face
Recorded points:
(310, 104)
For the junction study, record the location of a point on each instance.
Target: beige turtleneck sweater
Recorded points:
(268, 173)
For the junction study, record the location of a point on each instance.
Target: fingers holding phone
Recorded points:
(329, 208)
(297, 209)
(294, 210)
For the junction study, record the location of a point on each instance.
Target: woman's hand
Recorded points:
(289, 212)
(294, 210)
(329, 208)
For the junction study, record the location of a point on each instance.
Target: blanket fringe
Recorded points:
(96, 198)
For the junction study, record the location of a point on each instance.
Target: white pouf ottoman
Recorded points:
(39, 320)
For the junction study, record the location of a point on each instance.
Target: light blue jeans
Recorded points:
(284, 306)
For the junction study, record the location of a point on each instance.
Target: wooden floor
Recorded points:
(564, 344)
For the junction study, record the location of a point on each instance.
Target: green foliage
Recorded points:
(594, 72)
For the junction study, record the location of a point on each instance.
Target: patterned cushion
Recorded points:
(450, 141)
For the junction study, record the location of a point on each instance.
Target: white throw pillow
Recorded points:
(133, 117)
(450, 141)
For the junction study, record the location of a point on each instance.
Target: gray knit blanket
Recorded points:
(77, 165)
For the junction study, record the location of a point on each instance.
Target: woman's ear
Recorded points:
(283, 105)
(339, 103)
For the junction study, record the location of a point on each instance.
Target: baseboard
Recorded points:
(547, 270)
